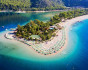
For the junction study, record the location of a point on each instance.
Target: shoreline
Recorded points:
(29, 11)
(44, 48)
(67, 24)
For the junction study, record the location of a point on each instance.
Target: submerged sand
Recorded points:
(21, 50)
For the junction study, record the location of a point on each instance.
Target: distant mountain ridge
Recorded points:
(69, 3)
(47, 4)
(72, 3)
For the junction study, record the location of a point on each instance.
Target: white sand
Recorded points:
(69, 23)
(47, 48)
(50, 44)
(24, 51)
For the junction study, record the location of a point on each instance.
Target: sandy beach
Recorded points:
(68, 24)
(29, 11)
(46, 46)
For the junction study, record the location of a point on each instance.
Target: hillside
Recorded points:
(35, 5)
(14, 4)
(72, 3)
(31, 4)
(46, 3)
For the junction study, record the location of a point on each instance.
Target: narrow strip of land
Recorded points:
(57, 43)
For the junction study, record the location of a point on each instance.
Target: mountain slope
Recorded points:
(72, 3)
(14, 4)
(46, 3)
(40, 4)
(20, 4)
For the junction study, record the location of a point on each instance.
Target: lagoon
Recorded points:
(74, 57)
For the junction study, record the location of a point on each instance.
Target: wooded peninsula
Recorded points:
(45, 30)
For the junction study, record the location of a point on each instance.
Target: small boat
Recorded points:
(6, 29)
(2, 26)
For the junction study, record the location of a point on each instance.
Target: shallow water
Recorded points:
(11, 19)
(73, 57)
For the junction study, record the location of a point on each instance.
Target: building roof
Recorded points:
(35, 36)
(52, 27)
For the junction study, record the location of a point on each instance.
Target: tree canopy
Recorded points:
(40, 28)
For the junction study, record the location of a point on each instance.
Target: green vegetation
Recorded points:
(14, 4)
(31, 5)
(40, 5)
(35, 27)
(75, 3)
(42, 29)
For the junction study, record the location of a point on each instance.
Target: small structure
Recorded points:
(53, 27)
(2, 26)
(63, 20)
(59, 26)
(35, 37)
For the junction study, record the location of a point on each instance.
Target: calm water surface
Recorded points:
(11, 20)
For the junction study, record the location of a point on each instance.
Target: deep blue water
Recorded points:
(11, 19)
(76, 59)
(81, 30)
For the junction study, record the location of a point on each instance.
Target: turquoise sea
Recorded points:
(73, 57)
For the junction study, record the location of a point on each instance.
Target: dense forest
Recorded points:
(75, 3)
(14, 4)
(31, 5)
(35, 5)
(42, 29)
